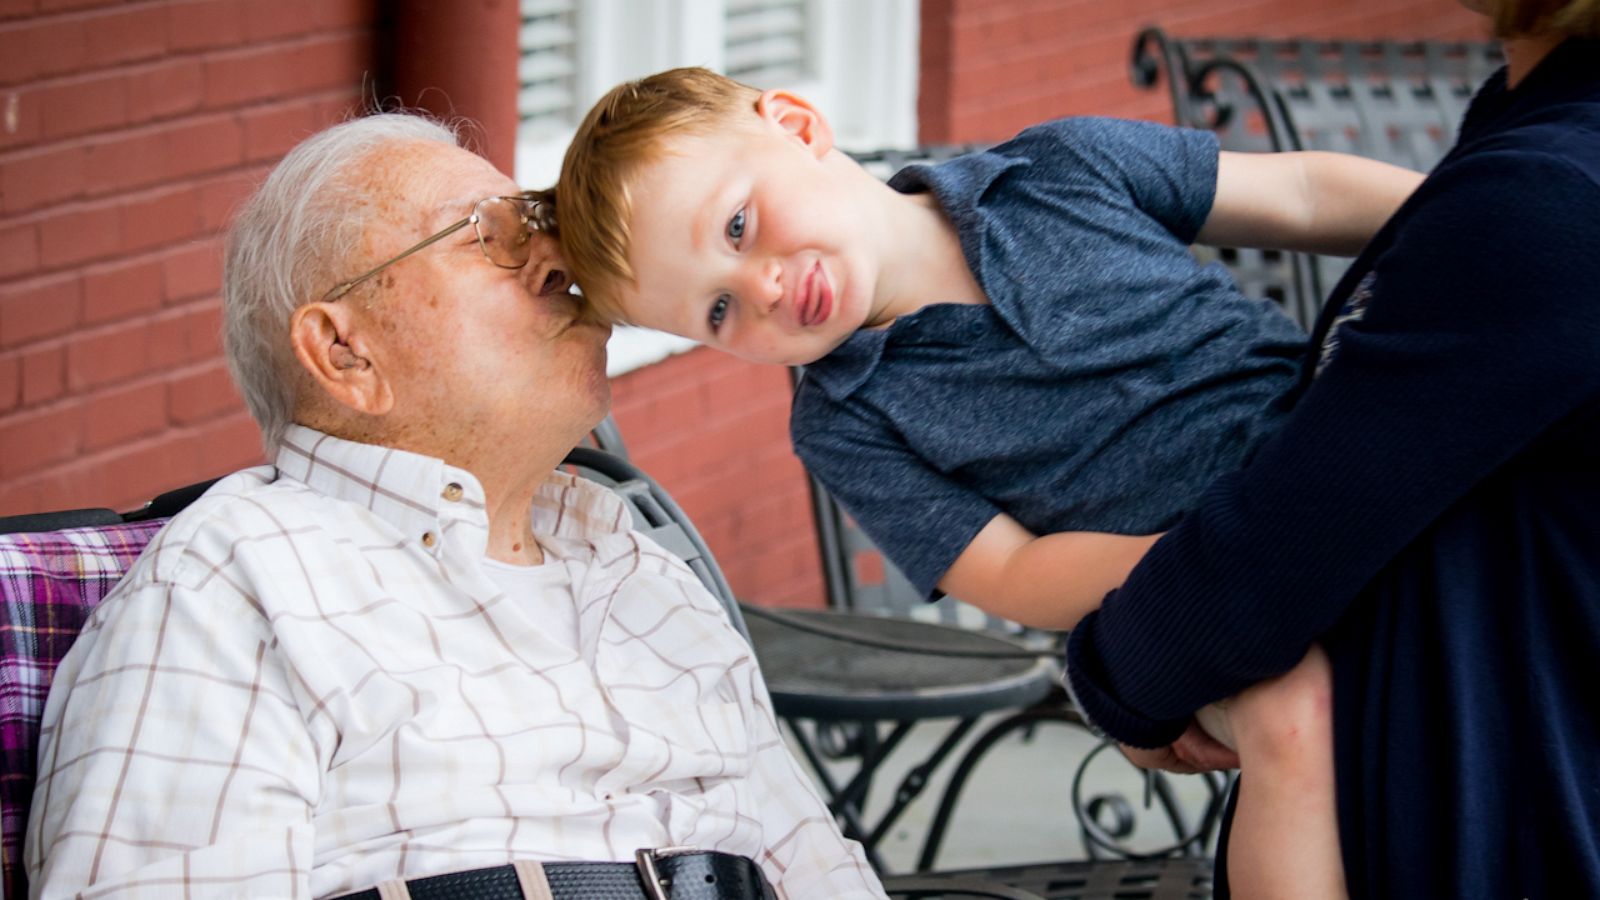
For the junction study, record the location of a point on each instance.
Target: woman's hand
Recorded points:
(1194, 752)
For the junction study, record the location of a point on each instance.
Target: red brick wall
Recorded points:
(992, 67)
(128, 131)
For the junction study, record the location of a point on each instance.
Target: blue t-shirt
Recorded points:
(1110, 378)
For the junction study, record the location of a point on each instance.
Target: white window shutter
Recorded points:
(765, 41)
(547, 97)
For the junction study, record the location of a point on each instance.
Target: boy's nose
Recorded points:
(768, 284)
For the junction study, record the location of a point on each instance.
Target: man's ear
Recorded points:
(332, 351)
(795, 116)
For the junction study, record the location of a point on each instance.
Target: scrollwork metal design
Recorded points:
(1098, 837)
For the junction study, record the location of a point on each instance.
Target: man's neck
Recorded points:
(922, 262)
(511, 538)
(508, 503)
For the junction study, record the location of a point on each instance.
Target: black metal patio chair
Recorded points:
(1396, 101)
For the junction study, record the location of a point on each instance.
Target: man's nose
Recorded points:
(546, 271)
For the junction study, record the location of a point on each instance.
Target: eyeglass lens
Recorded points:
(504, 226)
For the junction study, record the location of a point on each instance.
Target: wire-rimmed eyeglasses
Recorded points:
(504, 226)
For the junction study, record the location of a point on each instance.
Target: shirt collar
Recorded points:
(416, 493)
(850, 364)
(959, 185)
(1568, 70)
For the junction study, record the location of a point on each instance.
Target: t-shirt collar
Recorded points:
(958, 184)
(850, 364)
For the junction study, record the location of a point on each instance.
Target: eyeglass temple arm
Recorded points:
(348, 286)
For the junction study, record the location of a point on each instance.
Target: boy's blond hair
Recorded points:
(626, 129)
(1573, 18)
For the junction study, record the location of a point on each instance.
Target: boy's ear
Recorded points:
(795, 116)
(331, 349)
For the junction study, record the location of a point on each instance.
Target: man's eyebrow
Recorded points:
(453, 209)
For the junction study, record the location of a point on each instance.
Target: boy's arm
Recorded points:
(1312, 201)
(1044, 582)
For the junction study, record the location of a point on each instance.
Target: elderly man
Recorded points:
(410, 647)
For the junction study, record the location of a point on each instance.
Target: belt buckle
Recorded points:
(644, 859)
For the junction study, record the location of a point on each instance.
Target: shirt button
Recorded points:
(452, 492)
(428, 539)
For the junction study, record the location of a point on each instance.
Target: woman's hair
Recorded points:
(1573, 18)
(287, 245)
(625, 130)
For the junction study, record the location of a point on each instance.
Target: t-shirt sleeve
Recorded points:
(919, 518)
(1168, 173)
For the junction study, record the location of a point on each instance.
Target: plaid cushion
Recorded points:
(48, 582)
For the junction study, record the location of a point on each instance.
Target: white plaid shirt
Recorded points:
(308, 684)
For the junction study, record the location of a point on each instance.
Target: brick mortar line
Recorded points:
(22, 218)
(85, 12)
(143, 192)
(84, 332)
(102, 265)
(150, 127)
(166, 58)
(128, 130)
(93, 459)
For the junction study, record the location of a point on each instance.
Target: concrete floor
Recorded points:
(1017, 805)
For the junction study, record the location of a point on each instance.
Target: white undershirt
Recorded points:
(547, 587)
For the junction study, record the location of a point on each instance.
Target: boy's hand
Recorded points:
(1194, 752)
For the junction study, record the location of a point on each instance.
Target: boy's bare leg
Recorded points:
(1285, 837)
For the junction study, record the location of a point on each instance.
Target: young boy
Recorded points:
(1017, 373)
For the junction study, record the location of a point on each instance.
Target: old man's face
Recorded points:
(482, 359)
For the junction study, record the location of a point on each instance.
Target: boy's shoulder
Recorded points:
(1106, 156)
(1098, 139)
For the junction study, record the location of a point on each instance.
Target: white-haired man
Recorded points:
(410, 647)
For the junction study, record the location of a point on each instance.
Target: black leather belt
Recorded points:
(669, 874)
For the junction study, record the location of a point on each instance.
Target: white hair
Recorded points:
(287, 244)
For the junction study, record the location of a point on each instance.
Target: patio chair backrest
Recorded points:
(659, 517)
(56, 567)
(1397, 101)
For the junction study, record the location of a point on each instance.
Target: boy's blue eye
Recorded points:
(719, 312)
(736, 227)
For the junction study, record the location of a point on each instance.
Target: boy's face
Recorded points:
(754, 239)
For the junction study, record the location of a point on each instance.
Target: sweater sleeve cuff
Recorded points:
(1083, 677)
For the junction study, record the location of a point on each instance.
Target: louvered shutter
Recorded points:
(765, 41)
(547, 97)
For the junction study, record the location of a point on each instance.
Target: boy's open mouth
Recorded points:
(816, 297)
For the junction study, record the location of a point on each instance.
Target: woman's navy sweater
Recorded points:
(1431, 513)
